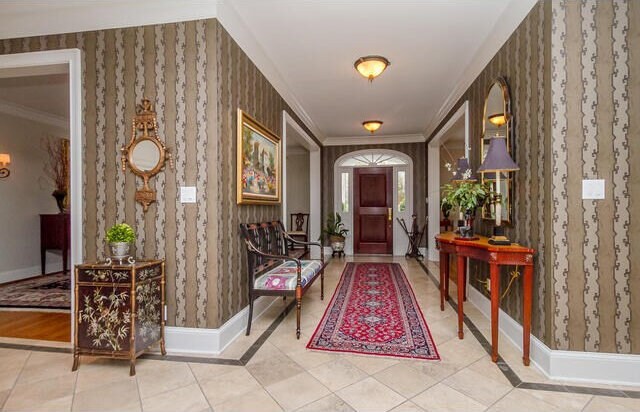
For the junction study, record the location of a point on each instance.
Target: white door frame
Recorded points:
(314, 180)
(72, 59)
(433, 175)
(400, 240)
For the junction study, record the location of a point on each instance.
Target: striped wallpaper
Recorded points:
(574, 72)
(197, 77)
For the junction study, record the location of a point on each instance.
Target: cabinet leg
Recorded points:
(132, 367)
(76, 359)
(163, 349)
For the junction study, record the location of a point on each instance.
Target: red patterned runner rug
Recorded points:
(374, 312)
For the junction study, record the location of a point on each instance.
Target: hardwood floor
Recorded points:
(36, 325)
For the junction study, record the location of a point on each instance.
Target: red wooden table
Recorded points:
(480, 249)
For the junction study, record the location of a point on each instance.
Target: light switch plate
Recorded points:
(593, 189)
(188, 194)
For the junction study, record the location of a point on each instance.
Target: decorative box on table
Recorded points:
(119, 309)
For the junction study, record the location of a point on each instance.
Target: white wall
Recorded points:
(297, 184)
(24, 195)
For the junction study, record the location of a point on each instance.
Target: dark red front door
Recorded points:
(373, 198)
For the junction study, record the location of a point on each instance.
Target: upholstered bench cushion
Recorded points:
(284, 276)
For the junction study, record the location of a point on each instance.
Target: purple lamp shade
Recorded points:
(497, 158)
(463, 167)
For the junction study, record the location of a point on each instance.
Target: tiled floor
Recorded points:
(283, 375)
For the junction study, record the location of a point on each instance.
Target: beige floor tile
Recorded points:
(53, 394)
(520, 401)
(461, 352)
(371, 364)
(12, 362)
(266, 351)
(309, 359)
(436, 370)
(487, 368)
(185, 399)
(115, 396)
(258, 400)
(477, 386)
(274, 369)
(297, 391)
(405, 380)
(337, 374)
(155, 377)
(221, 389)
(46, 365)
(97, 372)
(442, 398)
(564, 401)
(370, 395)
(331, 403)
(4, 394)
(408, 406)
(612, 404)
(206, 371)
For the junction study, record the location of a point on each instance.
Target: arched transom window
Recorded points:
(372, 160)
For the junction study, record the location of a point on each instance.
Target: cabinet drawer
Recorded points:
(104, 275)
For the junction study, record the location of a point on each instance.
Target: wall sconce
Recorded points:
(5, 160)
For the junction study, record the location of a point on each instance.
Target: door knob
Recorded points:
(390, 213)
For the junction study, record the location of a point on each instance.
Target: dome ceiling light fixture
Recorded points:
(371, 66)
(372, 125)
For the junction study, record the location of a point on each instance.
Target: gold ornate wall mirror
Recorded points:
(145, 153)
(497, 120)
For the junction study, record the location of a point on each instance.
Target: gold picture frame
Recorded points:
(259, 163)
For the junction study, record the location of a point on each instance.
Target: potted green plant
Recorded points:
(120, 237)
(334, 229)
(467, 195)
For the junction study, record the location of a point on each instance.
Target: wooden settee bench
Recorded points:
(273, 271)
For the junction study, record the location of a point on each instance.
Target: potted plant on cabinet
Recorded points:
(120, 237)
(467, 195)
(334, 229)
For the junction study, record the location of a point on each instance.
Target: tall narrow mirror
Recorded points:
(498, 121)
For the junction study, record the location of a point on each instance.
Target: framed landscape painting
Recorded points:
(259, 163)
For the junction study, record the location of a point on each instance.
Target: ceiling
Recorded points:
(306, 49)
(314, 44)
(48, 94)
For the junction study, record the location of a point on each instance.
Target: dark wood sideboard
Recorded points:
(55, 234)
(119, 310)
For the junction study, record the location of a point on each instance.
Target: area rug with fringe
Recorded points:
(374, 312)
(51, 291)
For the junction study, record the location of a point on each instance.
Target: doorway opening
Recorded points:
(450, 144)
(398, 203)
(301, 174)
(41, 208)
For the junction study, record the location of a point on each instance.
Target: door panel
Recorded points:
(373, 198)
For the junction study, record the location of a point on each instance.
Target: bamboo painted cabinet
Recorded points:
(119, 310)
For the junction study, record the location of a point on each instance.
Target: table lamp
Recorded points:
(498, 160)
(463, 171)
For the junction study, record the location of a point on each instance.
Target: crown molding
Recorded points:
(32, 18)
(382, 139)
(38, 116)
(233, 23)
(506, 25)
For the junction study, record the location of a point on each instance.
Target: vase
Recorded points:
(119, 250)
(337, 244)
(468, 224)
(59, 195)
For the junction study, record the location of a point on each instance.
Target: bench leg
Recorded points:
(250, 315)
(298, 309)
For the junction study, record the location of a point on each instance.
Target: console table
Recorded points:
(119, 310)
(480, 249)
(55, 233)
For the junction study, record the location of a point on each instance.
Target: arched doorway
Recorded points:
(401, 166)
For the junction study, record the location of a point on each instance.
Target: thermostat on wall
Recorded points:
(593, 189)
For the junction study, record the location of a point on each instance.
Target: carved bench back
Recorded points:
(266, 237)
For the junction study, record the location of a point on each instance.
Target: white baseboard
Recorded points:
(202, 341)
(53, 265)
(590, 367)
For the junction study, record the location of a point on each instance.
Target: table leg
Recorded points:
(526, 312)
(461, 270)
(495, 304)
(443, 257)
(465, 282)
